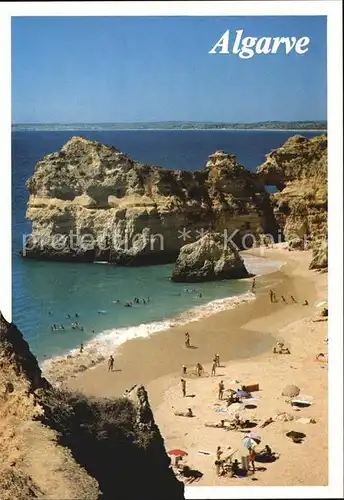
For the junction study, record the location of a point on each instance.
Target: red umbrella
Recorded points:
(177, 452)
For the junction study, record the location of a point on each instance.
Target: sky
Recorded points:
(144, 69)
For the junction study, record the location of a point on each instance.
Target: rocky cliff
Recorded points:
(55, 444)
(208, 259)
(299, 170)
(91, 202)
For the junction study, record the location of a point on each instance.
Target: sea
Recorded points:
(47, 293)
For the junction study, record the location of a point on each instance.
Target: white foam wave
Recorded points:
(107, 342)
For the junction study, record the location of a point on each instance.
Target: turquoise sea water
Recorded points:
(44, 293)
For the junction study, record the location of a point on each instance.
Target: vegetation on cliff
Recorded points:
(55, 444)
(176, 125)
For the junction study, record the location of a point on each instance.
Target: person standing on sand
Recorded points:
(184, 370)
(253, 289)
(252, 457)
(213, 370)
(199, 369)
(111, 363)
(187, 339)
(272, 296)
(183, 387)
(221, 389)
(81, 347)
(219, 452)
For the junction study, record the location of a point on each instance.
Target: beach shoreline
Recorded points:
(165, 352)
(71, 363)
(244, 337)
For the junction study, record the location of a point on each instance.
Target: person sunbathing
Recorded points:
(232, 398)
(236, 423)
(217, 425)
(267, 422)
(184, 413)
(280, 349)
(235, 468)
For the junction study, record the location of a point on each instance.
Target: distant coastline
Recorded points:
(174, 125)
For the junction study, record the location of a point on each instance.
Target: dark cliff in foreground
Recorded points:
(55, 444)
(91, 202)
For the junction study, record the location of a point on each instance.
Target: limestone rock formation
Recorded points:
(91, 202)
(55, 444)
(320, 255)
(299, 170)
(210, 258)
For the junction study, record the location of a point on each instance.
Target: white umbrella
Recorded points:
(251, 440)
(253, 435)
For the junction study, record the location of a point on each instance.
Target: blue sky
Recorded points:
(134, 69)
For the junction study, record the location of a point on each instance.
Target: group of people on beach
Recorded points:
(199, 368)
(273, 298)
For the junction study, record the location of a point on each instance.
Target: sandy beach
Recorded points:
(244, 338)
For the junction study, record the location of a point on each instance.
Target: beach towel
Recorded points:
(243, 394)
(251, 401)
(251, 388)
(302, 399)
(220, 410)
(306, 420)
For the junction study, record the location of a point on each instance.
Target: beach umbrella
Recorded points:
(291, 391)
(253, 435)
(177, 452)
(250, 442)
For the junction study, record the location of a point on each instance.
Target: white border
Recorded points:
(330, 8)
